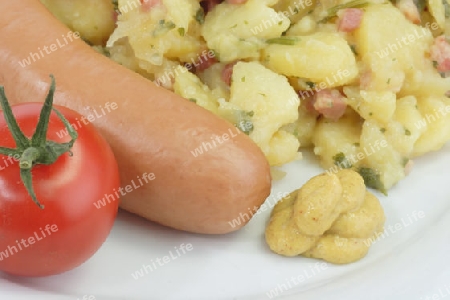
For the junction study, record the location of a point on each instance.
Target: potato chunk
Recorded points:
(379, 106)
(235, 31)
(274, 104)
(190, 87)
(320, 57)
(92, 19)
(435, 113)
(393, 51)
(161, 33)
(333, 139)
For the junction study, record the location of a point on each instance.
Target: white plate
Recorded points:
(412, 261)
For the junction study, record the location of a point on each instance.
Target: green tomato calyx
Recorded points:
(37, 150)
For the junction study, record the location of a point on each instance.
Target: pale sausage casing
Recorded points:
(152, 130)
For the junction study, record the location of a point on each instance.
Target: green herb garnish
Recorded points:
(200, 16)
(372, 179)
(447, 9)
(116, 4)
(341, 161)
(352, 4)
(284, 40)
(405, 160)
(243, 121)
(310, 84)
(332, 12)
(163, 27)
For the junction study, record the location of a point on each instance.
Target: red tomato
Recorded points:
(69, 229)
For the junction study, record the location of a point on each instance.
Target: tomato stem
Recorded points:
(37, 150)
(20, 139)
(29, 156)
(25, 175)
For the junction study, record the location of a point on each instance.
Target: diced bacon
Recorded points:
(410, 10)
(309, 105)
(115, 16)
(440, 53)
(350, 19)
(307, 98)
(236, 1)
(147, 5)
(330, 103)
(208, 5)
(227, 72)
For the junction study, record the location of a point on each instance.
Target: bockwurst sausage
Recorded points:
(151, 131)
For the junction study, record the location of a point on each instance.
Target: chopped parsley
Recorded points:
(284, 40)
(200, 16)
(372, 179)
(447, 9)
(407, 132)
(405, 160)
(310, 84)
(116, 4)
(341, 161)
(332, 12)
(163, 27)
(243, 121)
(181, 31)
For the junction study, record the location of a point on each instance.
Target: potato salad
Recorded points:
(364, 84)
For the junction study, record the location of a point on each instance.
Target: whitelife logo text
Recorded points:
(25, 243)
(111, 197)
(85, 120)
(161, 261)
(47, 50)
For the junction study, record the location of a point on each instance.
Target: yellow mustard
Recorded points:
(332, 217)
